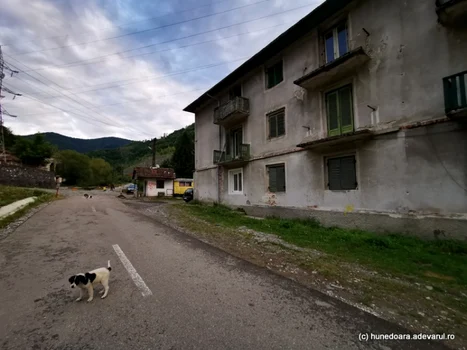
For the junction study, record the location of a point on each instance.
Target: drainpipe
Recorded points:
(220, 148)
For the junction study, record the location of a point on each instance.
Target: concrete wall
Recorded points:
(14, 175)
(422, 170)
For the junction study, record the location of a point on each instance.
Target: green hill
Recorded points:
(138, 153)
(82, 145)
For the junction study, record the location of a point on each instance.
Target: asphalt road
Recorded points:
(167, 291)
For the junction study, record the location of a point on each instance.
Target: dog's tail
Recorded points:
(108, 266)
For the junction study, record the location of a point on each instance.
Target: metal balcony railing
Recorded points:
(455, 92)
(220, 157)
(237, 107)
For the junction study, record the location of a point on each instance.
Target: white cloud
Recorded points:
(145, 108)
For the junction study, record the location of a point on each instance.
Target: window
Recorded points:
(339, 111)
(274, 75)
(276, 178)
(234, 143)
(336, 42)
(342, 174)
(276, 123)
(160, 184)
(236, 181)
(236, 91)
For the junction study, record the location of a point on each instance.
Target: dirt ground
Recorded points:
(417, 307)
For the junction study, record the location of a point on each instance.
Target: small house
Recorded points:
(155, 181)
(181, 185)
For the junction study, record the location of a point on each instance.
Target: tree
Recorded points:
(33, 152)
(74, 167)
(101, 171)
(10, 138)
(183, 159)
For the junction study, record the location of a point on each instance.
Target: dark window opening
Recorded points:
(236, 91)
(160, 183)
(276, 123)
(274, 75)
(342, 173)
(276, 178)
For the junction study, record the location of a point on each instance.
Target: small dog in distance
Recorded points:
(87, 196)
(90, 279)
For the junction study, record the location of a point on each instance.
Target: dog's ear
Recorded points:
(71, 279)
(91, 276)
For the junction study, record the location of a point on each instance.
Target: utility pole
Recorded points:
(3, 67)
(154, 152)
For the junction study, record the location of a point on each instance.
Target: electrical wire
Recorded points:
(143, 31)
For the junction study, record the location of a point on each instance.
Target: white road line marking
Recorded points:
(93, 209)
(145, 291)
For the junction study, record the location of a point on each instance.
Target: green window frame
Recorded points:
(339, 111)
(276, 178)
(274, 75)
(276, 123)
(342, 173)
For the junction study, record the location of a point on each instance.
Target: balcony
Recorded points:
(221, 158)
(333, 71)
(455, 95)
(234, 111)
(330, 143)
(452, 13)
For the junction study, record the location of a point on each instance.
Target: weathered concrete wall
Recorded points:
(14, 175)
(426, 227)
(421, 170)
(206, 185)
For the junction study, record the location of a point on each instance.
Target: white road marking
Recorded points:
(145, 291)
(93, 209)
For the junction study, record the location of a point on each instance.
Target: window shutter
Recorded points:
(332, 114)
(345, 109)
(227, 142)
(240, 182)
(272, 179)
(334, 178)
(279, 73)
(272, 126)
(235, 182)
(280, 178)
(281, 124)
(348, 176)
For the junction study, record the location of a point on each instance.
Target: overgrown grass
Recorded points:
(10, 194)
(42, 197)
(439, 260)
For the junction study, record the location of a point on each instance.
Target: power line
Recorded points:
(76, 101)
(137, 80)
(86, 61)
(145, 30)
(132, 101)
(131, 23)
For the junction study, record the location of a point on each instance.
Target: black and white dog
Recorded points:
(87, 196)
(90, 279)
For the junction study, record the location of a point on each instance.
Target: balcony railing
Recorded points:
(220, 157)
(452, 13)
(232, 111)
(455, 93)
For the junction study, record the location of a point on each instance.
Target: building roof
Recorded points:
(291, 35)
(10, 158)
(154, 173)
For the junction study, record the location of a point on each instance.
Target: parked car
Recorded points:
(131, 188)
(188, 195)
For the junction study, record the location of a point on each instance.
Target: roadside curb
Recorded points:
(12, 208)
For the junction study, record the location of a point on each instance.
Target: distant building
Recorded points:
(8, 158)
(155, 181)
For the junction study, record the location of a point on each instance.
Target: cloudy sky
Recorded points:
(126, 68)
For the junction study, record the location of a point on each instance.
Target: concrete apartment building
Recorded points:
(356, 116)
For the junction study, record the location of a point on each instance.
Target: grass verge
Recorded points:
(399, 255)
(10, 194)
(21, 193)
